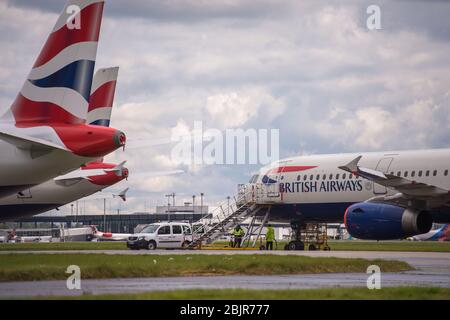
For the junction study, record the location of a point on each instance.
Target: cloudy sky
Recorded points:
(311, 69)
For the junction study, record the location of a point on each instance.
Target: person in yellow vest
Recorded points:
(270, 237)
(238, 234)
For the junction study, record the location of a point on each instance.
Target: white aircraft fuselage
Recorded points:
(314, 189)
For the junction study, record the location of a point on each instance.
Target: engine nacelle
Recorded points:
(377, 221)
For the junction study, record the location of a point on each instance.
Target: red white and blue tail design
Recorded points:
(102, 97)
(58, 88)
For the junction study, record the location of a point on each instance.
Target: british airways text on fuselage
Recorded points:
(324, 186)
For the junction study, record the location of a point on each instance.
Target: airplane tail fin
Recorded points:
(102, 97)
(58, 87)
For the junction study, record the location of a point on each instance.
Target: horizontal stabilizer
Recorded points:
(26, 142)
(80, 174)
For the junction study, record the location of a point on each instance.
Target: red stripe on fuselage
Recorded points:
(30, 113)
(290, 169)
(91, 20)
(103, 96)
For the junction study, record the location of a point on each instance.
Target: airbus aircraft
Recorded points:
(378, 195)
(87, 180)
(43, 134)
(440, 234)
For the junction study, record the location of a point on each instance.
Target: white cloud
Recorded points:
(315, 72)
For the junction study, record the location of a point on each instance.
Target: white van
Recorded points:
(166, 235)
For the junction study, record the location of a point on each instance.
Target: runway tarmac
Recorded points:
(432, 269)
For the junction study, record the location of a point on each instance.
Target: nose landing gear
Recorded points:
(310, 235)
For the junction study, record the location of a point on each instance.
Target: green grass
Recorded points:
(63, 246)
(345, 245)
(362, 245)
(21, 267)
(400, 293)
(416, 246)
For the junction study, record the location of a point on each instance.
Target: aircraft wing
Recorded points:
(407, 189)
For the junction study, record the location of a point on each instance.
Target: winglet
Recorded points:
(352, 166)
(117, 169)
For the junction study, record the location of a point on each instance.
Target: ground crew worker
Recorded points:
(270, 237)
(238, 234)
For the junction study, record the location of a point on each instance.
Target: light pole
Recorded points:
(201, 203)
(104, 214)
(193, 208)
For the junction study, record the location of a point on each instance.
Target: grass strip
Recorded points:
(20, 267)
(388, 293)
(343, 245)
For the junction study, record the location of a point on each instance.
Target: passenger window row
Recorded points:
(324, 177)
(420, 173)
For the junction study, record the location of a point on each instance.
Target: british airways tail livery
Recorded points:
(58, 88)
(43, 134)
(87, 180)
(102, 96)
(378, 195)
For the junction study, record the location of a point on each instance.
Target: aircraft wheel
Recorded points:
(151, 245)
(296, 246)
(312, 247)
(327, 248)
(262, 247)
(300, 246)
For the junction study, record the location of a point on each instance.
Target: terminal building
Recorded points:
(116, 223)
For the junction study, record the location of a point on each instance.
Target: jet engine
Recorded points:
(377, 221)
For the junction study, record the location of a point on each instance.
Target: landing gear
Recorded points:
(296, 245)
(312, 235)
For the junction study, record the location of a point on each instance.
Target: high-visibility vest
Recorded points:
(238, 233)
(270, 234)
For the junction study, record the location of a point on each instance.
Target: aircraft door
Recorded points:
(273, 188)
(382, 166)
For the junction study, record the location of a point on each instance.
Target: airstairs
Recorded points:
(227, 214)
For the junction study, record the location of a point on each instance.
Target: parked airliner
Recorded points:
(87, 180)
(43, 134)
(378, 195)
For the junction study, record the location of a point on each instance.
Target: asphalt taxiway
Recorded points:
(432, 269)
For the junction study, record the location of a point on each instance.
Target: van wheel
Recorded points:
(151, 245)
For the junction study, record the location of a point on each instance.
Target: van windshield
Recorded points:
(150, 229)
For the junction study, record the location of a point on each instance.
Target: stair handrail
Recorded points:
(212, 220)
